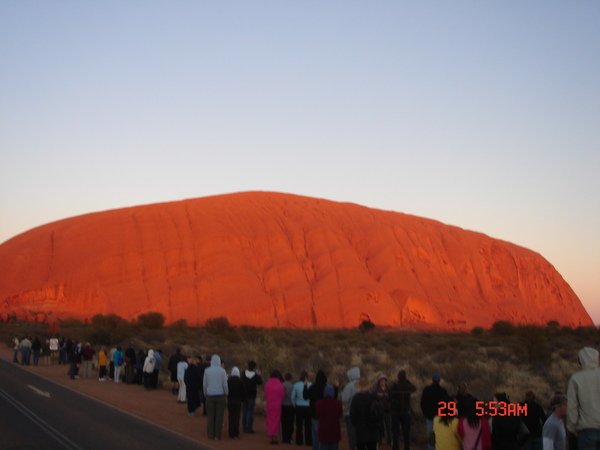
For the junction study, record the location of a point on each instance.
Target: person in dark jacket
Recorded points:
(534, 421)
(400, 393)
(364, 416)
(430, 400)
(314, 393)
(329, 414)
(508, 432)
(193, 385)
(235, 398)
(175, 359)
(381, 390)
(36, 349)
(252, 379)
(130, 361)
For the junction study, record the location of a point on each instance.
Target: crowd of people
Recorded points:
(374, 414)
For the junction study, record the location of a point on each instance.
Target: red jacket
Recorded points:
(329, 413)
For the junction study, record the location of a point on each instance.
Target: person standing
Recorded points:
(130, 358)
(175, 359)
(87, 355)
(400, 393)
(474, 431)
(583, 394)
(554, 436)
(193, 385)
(148, 369)
(215, 391)
(383, 395)
(534, 421)
(235, 398)
(350, 390)
(36, 349)
(157, 367)
(54, 347)
(329, 414)
(366, 414)
(102, 363)
(314, 393)
(508, 431)
(182, 366)
(25, 346)
(252, 380)
(274, 394)
(118, 360)
(430, 399)
(16, 346)
(287, 410)
(302, 410)
(445, 430)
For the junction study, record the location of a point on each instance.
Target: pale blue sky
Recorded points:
(485, 116)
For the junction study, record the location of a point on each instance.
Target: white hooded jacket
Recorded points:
(150, 362)
(583, 393)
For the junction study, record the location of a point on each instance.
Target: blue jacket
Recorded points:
(297, 398)
(215, 378)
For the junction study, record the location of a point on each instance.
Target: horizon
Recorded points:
(482, 117)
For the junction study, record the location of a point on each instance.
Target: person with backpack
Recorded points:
(400, 393)
(366, 414)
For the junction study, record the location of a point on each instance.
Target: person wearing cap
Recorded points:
(583, 394)
(554, 436)
(430, 401)
(329, 412)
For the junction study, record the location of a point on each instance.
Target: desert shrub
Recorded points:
(218, 325)
(151, 320)
(366, 326)
(477, 331)
(503, 328)
(532, 345)
(106, 320)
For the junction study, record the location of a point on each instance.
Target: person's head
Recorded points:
(252, 365)
(276, 374)
(215, 361)
(558, 404)
(381, 382)
(402, 375)
(501, 397)
(353, 374)
(235, 372)
(287, 376)
(321, 378)
(363, 384)
(304, 375)
(529, 396)
(329, 391)
(588, 358)
(468, 410)
(436, 377)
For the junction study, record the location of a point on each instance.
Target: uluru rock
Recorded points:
(269, 259)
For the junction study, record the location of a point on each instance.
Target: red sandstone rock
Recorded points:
(269, 259)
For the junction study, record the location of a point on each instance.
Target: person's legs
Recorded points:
(351, 432)
(395, 432)
(211, 409)
(299, 427)
(429, 425)
(307, 426)
(405, 422)
(181, 397)
(287, 423)
(314, 424)
(221, 402)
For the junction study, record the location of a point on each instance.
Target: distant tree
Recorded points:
(477, 331)
(152, 320)
(366, 326)
(218, 325)
(553, 324)
(503, 328)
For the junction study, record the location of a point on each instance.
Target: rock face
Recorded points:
(269, 259)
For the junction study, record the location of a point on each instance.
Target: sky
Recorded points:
(484, 115)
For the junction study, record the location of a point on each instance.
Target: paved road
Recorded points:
(38, 414)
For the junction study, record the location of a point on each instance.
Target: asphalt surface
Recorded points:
(38, 414)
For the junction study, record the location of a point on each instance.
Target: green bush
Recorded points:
(366, 326)
(218, 325)
(477, 331)
(503, 328)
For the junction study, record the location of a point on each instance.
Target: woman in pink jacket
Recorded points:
(274, 393)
